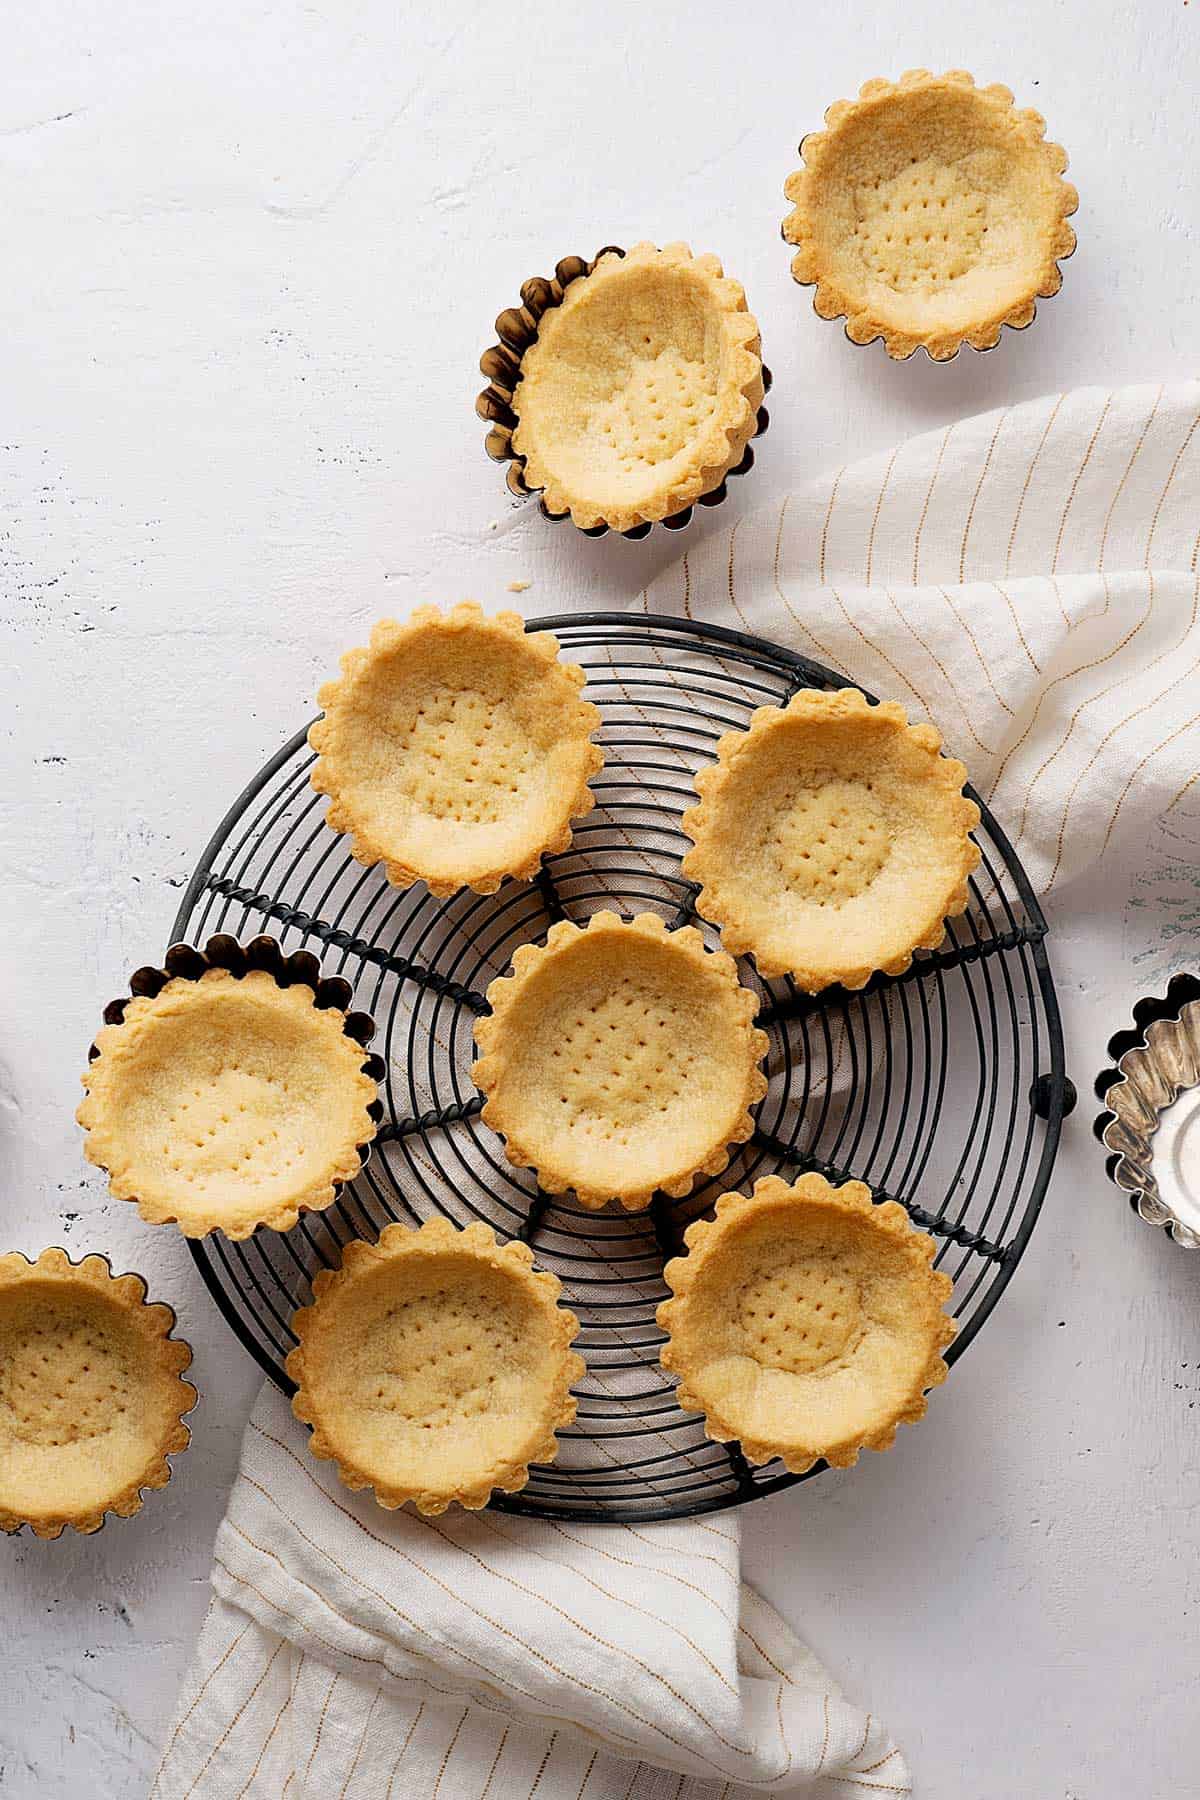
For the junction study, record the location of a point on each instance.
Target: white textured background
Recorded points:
(251, 254)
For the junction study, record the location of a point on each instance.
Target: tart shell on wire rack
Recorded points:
(942, 1088)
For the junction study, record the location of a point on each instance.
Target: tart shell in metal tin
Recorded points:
(516, 329)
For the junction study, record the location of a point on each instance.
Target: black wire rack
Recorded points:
(942, 1088)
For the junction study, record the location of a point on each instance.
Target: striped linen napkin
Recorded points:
(1028, 580)
(381, 1656)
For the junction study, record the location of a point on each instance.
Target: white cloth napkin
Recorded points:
(349, 1651)
(1028, 580)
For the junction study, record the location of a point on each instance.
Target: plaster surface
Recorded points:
(252, 254)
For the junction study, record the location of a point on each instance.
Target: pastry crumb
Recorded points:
(519, 587)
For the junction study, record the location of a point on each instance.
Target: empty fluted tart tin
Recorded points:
(1151, 1119)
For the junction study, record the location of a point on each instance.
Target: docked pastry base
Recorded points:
(456, 749)
(435, 1366)
(632, 391)
(619, 1059)
(930, 213)
(230, 1097)
(831, 839)
(91, 1396)
(806, 1322)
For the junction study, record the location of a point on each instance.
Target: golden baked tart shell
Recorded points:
(435, 1366)
(456, 749)
(831, 839)
(641, 390)
(91, 1394)
(517, 328)
(227, 1102)
(806, 1322)
(930, 212)
(620, 1058)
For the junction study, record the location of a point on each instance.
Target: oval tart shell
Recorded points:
(641, 391)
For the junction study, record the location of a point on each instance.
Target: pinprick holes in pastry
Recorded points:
(64, 1375)
(783, 1310)
(923, 261)
(831, 841)
(459, 753)
(620, 1087)
(659, 394)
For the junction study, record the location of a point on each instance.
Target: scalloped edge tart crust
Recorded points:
(122, 1077)
(161, 1360)
(523, 1006)
(552, 406)
(862, 938)
(838, 167)
(331, 1404)
(827, 1240)
(383, 824)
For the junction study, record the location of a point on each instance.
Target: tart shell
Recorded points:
(193, 1107)
(643, 341)
(433, 726)
(806, 1322)
(619, 1059)
(517, 328)
(879, 805)
(934, 162)
(435, 1366)
(92, 1399)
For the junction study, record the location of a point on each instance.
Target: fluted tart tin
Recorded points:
(516, 330)
(1151, 1119)
(172, 1195)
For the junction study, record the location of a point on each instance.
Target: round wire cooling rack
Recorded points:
(942, 1088)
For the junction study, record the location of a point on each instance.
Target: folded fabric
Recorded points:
(1028, 580)
(350, 1651)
